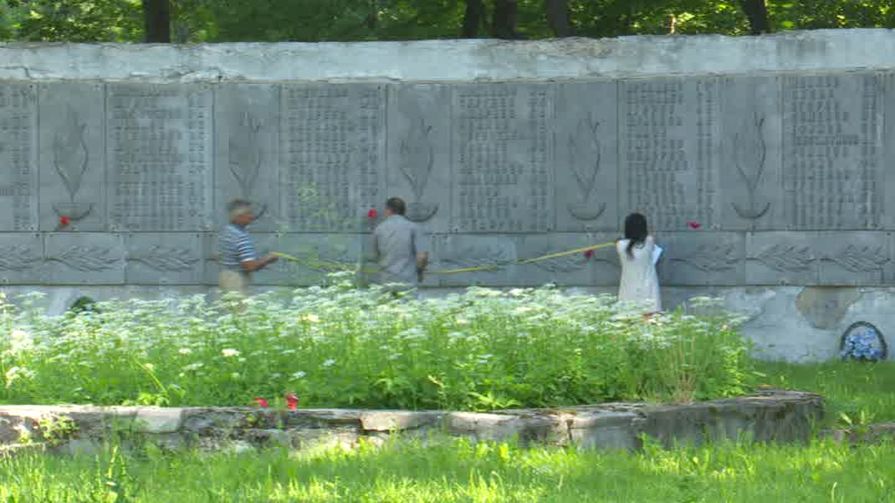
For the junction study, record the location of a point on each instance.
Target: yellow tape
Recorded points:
(487, 267)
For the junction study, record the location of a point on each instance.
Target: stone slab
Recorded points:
(72, 156)
(246, 140)
(669, 142)
(751, 169)
(84, 258)
(332, 155)
(158, 420)
(18, 156)
(702, 258)
(419, 153)
(159, 157)
(21, 258)
(454, 251)
(502, 153)
(164, 259)
(586, 157)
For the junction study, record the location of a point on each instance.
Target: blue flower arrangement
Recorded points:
(863, 342)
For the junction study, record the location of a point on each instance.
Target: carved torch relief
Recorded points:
(70, 160)
(245, 157)
(417, 161)
(585, 157)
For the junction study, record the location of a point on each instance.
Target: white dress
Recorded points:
(639, 282)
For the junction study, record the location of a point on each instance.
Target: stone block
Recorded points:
(702, 258)
(669, 141)
(246, 133)
(84, 258)
(18, 156)
(397, 420)
(72, 156)
(526, 427)
(834, 173)
(751, 162)
(330, 438)
(21, 259)
(419, 152)
(323, 418)
(502, 152)
(332, 155)
(601, 429)
(578, 269)
(159, 420)
(159, 155)
(586, 161)
(164, 259)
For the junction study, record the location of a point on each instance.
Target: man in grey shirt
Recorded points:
(400, 246)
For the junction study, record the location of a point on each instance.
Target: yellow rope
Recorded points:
(332, 265)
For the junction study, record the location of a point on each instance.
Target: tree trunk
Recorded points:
(157, 17)
(472, 18)
(504, 25)
(757, 13)
(558, 17)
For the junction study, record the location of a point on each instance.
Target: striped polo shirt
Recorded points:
(236, 247)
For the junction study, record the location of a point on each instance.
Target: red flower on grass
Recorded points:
(291, 401)
(588, 254)
(262, 402)
(372, 213)
(693, 224)
(64, 221)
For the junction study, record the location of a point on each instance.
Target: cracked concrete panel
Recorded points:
(824, 307)
(246, 140)
(751, 153)
(419, 152)
(586, 132)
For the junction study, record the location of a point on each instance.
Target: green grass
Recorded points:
(459, 471)
(857, 393)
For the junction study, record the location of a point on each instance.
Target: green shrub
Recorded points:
(339, 346)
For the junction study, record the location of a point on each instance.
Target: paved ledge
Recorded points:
(454, 60)
(770, 416)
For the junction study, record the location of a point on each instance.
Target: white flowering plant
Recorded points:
(337, 346)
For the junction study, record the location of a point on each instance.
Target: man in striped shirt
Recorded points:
(238, 257)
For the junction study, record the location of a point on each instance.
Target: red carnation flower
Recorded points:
(588, 254)
(372, 213)
(693, 224)
(64, 221)
(291, 401)
(262, 402)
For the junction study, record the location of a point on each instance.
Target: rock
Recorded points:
(398, 420)
(606, 430)
(158, 420)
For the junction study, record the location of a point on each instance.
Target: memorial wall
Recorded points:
(761, 163)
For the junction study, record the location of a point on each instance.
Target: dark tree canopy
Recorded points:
(349, 20)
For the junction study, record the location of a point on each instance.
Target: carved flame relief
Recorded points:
(246, 156)
(585, 156)
(417, 161)
(750, 158)
(70, 160)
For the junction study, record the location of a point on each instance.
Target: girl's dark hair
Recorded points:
(635, 231)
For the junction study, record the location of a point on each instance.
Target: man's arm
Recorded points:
(421, 247)
(258, 264)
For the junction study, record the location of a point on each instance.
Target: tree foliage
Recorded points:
(355, 20)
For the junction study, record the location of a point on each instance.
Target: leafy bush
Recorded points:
(339, 346)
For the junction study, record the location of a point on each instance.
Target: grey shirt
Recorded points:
(396, 242)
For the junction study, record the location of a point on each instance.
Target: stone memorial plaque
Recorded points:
(21, 259)
(459, 251)
(752, 156)
(702, 258)
(246, 128)
(18, 157)
(833, 127)
(72, 156)
(159, 157)
(502, 156)
(782, 258)
(670, 139)
(84, 258)
(419, 155)
(587, 156)
(888, 188)
(164, 259)
(579, 269)
(332, 152)
(855, 258)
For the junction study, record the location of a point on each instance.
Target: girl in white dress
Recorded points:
(639, 282)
